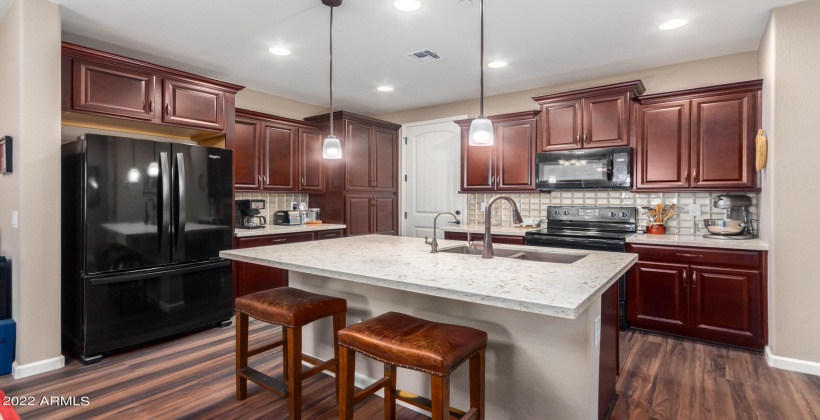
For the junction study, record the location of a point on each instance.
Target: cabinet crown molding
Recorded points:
(687, 94)
(514, 116)
(635, 87)
(246, 113)
(321, 119)
(77, 51)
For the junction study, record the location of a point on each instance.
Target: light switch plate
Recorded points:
(14, 219)
(694, 209)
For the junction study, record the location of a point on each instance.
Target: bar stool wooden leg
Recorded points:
(390, 392)
(477, 382)
(440, 390)
(294, 347)
(285, 354)
(241, 354)
(347, 367)
(338, 324)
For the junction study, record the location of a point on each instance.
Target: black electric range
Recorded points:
(589, 228)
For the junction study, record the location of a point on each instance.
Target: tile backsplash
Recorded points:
(273, 201)
(535, 205)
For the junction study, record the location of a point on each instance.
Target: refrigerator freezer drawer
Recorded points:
(134, 308)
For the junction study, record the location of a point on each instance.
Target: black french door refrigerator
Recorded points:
(142, 226)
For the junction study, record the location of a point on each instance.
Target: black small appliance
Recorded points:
(600, 169)
(283, 217)
(247, 214)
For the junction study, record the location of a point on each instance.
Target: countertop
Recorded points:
(279, 229)
(496, 230)
(698, 241)
(405, 263)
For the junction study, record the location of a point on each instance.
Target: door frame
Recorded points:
(402, 194)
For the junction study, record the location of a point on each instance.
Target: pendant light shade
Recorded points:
(481, 129)
(332, 147)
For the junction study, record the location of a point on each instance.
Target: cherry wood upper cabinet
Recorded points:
(193, 105)
(587, 118)
(698, 139)
(112, 90)
(108, 85)
(276, 154)
(507, 165)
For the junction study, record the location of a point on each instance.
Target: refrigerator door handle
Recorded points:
(180, 227)
(164, 222)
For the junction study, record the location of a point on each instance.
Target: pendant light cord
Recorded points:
(481, 102)
(331, 70)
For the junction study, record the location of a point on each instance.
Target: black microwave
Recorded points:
(585, 169)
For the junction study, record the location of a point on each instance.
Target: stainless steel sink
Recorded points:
(550, 257)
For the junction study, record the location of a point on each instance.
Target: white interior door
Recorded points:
(432, 163)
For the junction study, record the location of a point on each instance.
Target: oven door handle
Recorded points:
(593, 244)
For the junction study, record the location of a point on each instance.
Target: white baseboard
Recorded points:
(36, 368)
(797, 365)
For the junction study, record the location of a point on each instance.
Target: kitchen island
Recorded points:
(543, 355)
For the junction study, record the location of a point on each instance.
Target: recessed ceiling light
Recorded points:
(279, 51)
(496, 64)
(672, 24)
(407, 5)
(385, 88)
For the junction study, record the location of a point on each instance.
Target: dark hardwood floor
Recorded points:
(192, 377)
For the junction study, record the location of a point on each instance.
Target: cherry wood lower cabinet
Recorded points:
(371, 214)
(250, 278)
(497, 239)
(710, 294)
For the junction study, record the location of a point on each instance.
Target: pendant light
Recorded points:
(332, 147)
(481, 129)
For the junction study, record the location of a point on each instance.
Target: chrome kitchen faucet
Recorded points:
(434, 244)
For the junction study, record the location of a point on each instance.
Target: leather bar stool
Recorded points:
(413, 343)
(292, 309)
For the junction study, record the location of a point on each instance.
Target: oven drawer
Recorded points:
(697, 256)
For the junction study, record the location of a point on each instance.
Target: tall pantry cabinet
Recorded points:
(361, 188)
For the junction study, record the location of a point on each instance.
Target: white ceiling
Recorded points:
(545, 42)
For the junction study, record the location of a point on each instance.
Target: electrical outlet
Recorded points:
(483, 206)
(294, 205)
(14, 219)
(597, 331)
(694, 209)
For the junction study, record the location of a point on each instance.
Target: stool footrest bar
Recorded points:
(261, 349)
(424, 403)
(370, 390)
(271, 384)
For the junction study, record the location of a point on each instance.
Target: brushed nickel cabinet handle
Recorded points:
(689, 255)
(331, 235)
(151, 106)
(278, 240)
(686, 175)
(167, 109)
(695, 174)
(694, 278)
(685, 277)
(578, 138)
(302, 179)
(586, 140)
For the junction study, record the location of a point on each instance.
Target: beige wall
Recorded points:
(30, 37)
(276, 105)
(712, 71)
(791, 62)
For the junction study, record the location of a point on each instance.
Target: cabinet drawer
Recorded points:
(329, 234)
(697, 256)
(274, 239)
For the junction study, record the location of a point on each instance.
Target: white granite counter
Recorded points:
(280, 229)
(496, 230)
(404, 263)
(698, 241)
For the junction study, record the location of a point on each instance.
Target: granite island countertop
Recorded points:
(405, 263)
(698, 241)
(280, 229)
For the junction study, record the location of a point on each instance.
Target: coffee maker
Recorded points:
(737, 224)
(247, 214)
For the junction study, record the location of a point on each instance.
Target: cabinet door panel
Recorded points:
(561, 125)
(112, 90)
(515, 148)
(357, 212)
(357, 148)
(254, 278)
(384, 213)
(476, 165)
(193, 105)
(385, 160)
(279, 158)
(606, 120)
(726, 302)
(311, 175)
(658, 295)
(245, 146)
(723, 131)
(662, 133)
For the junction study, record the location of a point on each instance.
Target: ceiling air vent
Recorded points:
(423, 56)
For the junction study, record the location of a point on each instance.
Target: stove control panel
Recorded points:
(592, 214)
